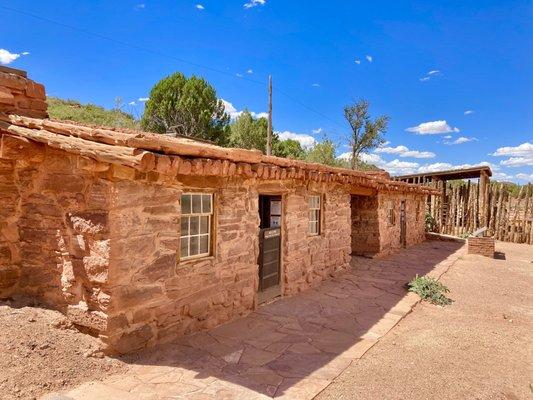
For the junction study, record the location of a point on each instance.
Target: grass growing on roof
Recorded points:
(429, 289)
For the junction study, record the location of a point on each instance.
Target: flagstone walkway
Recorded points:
(290, 349)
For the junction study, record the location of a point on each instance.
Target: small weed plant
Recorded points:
(429, 289)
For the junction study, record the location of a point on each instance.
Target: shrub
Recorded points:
(429, 289)
(431, 224)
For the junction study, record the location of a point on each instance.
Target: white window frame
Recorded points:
(198, 215)
(317, 221)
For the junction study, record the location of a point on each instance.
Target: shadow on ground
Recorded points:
(293, 347)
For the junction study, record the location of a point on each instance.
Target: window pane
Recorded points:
(313, 228)
(194, 245)
(194, 226)
(184, 252)
(206, 204)
(184, 226)
(313, 215)
(314, 202)
(196, 203)
(185, 203)
(204, 244)
(204, 224)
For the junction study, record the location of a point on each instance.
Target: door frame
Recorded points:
(403, 223)
(274, 291)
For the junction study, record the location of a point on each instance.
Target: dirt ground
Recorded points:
(480, 347)
(40, 353)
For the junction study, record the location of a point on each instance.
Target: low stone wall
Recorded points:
(483, 246)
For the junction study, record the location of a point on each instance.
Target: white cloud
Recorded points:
(394, 167)
(254, 3)
(6, 57)
(200, 7)
(358, 62)
(447, 137)
(239, 75)
(429, 75)
(461, 140)
(502, 176)
(524, 149)
(317, 131)
(369, 58)
(518, 161)
(143, 99)
(524, 177)
(305, 140)
(434, 72)
(250, 71)
(403, 151)
(316, 85)
(132, 103)
(468, 112)
(234, 113)
(425, 78)
(432, 128)
(139, 7)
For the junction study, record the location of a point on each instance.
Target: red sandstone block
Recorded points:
(12, 81)
(6, 97)
(39, 105)
(35, 90)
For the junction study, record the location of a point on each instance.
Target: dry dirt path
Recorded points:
(292, 348)
(480, 347)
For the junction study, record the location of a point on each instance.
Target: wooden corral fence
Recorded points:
(465, 207)
(508, 217)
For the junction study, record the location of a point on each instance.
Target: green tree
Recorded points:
(366, 134)
(288, 148)
(188, 107)
(248, 132)
(324, 153)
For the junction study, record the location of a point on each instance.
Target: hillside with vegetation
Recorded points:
(73, 110)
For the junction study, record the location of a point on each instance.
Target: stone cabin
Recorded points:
(140, 238)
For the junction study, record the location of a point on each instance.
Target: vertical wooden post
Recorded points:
(484, 197)
(269, 131)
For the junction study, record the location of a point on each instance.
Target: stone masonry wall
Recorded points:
(155, 296)
(365, 225)
(20, 95)
(308, 260)
(56, 216)
(390, 234)
(9, 248)
(483, 246)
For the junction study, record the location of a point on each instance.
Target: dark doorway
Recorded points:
(403, 225)
(269, 246)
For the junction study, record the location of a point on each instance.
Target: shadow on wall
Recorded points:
(300, 342)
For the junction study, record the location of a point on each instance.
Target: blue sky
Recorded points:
(422, 63)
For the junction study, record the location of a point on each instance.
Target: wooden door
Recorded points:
(403, 224)
(269, 241)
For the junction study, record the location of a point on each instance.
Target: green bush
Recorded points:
(429, 289)
(431, 224)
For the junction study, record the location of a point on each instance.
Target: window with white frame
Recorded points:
(196, 220)
(314, 215)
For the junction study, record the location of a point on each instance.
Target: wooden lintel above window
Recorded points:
(363, 191)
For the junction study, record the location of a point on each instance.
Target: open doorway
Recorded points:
(270, 213)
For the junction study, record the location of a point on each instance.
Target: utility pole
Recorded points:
(269, 129)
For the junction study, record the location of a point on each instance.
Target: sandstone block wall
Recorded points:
(365, 232)
(157, 297)
(307, 260)
(483, 246)
(414, 212)
(20, 95)
(56, 230)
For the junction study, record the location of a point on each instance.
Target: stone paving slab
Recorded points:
(290, 349)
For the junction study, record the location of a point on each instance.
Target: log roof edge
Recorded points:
(147, 151)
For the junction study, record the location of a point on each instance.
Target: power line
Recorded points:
(162, 54)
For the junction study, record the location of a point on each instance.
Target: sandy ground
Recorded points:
(480, 347)
(39, 353)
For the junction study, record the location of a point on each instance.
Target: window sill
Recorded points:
(188, 261)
